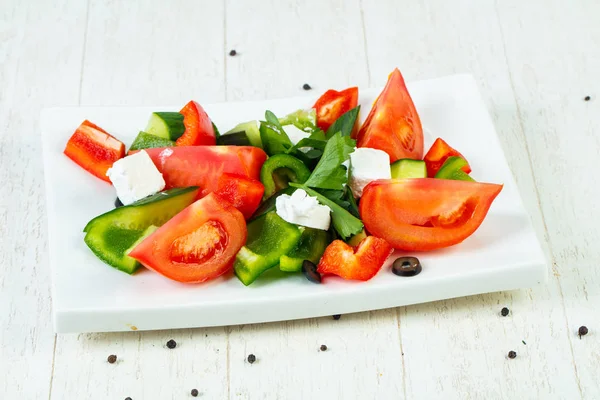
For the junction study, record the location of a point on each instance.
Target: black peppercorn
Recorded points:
(194, 392)
(171, 344)
(337, 316)
(127, 398)
(232, 53)
(587, 98)
(112, 359)
(306, 86)
(251, 358)
(504, 312)
(583, 330)
(512, 354)
(323, 347)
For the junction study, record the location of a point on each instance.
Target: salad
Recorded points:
(309, 192)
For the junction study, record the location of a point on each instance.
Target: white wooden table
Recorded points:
(535, 62)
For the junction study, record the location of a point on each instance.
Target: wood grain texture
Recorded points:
(319, 43)
(534, 61)
(462, 343)
(554, 57)
(137, 54)
(31, 37)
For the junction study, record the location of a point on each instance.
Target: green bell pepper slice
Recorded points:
(279, 170)
(451, 169)
(311, 247)
(269, 238)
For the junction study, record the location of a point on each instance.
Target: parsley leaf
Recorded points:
(329, 172)
(343, 222)
(272, 135)
(345, 123)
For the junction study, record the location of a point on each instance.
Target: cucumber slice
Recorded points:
(147, 141)
(113, 234)
(356, 239)
(252, 132)
(451, 169)
(407, 168)
(168, 125)
(234, 139)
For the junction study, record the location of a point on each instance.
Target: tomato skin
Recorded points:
(199, 130)
(93, 149)
(438, 154)
(203, 165)
(393, 124)
(424, 213)
(172, 250)
(332, 104)
(243, 193)
(357, 263)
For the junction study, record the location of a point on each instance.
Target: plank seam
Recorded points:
(365, 45)
(52, 368)
(85, 33)
(538, 198)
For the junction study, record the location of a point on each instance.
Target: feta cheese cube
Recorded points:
(302, 209)
(367, 165)
(135, 177)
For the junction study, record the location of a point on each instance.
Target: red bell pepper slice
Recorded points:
(359, 263)
(94, 149)
(437, 156)
(332, 104)
(198, 127)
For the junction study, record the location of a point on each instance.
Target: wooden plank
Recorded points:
(554, 53)
(458, 347)
(319, 43)
(148, 54)
(31, 76)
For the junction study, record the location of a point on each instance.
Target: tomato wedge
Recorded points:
(198, 244)
(332, 104)
(198, 127)
(438, 154)
(393, 124)
(242, 192)
(203, 165)
(425, 213)
(94, 149)
(359, 263)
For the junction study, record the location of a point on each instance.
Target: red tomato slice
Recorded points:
(198, 127)
(198, 244)
(203, 165)
(438, 154)
(243, 193)
(359, 263)
(425, 213)
(393, 124)
(333, 104)
(94, 149)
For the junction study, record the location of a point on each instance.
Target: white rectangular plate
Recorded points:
(89, 296)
